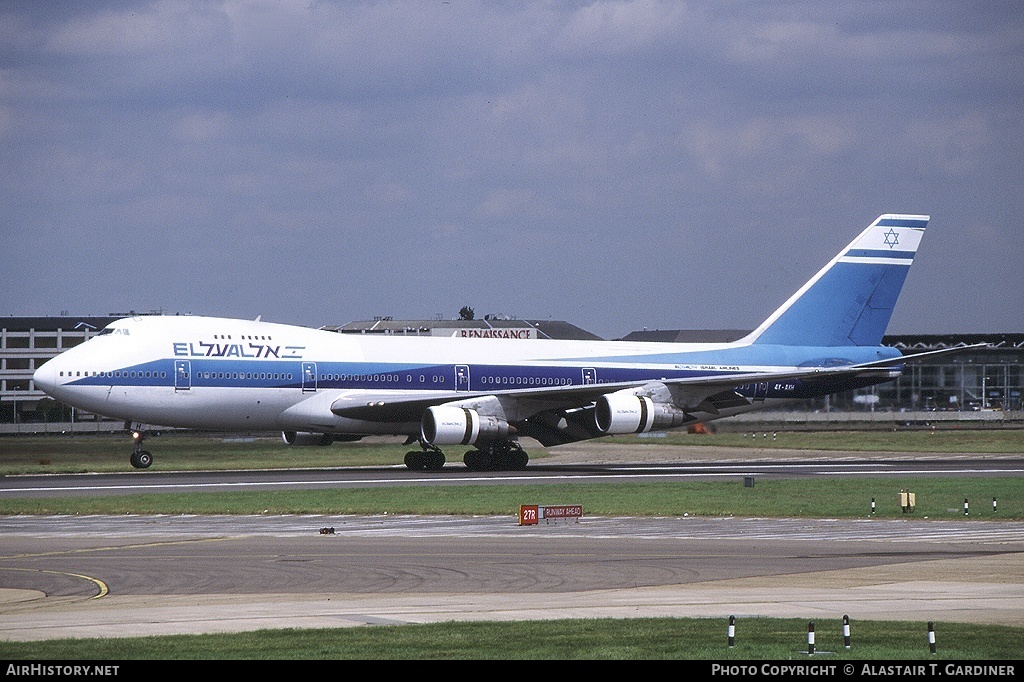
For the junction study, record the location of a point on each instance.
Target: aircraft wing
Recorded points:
(715, 392)
(915, 357)
(707, 393)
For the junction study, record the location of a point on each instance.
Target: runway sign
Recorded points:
(531, 514)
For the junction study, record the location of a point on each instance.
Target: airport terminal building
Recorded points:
(986, 382)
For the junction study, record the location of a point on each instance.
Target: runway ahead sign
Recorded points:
(532, 514)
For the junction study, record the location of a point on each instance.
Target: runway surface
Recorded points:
(136, 482)
(103, 576)
(135, 575)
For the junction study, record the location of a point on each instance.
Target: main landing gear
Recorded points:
(498, 455)
(430, 458)
(140, 459)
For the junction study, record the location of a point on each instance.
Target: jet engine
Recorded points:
(448, 425)
(306, 438)
(623, 412)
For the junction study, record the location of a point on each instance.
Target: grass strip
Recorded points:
(765, 639)
(937, 498)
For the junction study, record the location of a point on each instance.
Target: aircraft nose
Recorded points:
(45, 378)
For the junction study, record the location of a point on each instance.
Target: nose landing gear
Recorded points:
(140, 459)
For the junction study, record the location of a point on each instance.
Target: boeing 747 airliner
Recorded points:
(317, 386)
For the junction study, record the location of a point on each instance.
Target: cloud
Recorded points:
(616, 164)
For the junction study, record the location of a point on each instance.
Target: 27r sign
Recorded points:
(531, 514)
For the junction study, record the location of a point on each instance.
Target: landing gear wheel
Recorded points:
(432, 459)
(508, 455)
(476, 460)
(499, 455)
(518, 459)
(140, 459)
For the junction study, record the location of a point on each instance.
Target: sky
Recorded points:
(620, 165)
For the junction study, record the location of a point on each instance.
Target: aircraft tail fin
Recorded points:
(850, 300)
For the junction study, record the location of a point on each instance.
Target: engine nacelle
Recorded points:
(618, 413)
(306, 438)
(447, 425)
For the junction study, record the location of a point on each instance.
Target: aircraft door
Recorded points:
(589, 375)
(461, 377)
(760, 391)
(182, 375)
(309, 377)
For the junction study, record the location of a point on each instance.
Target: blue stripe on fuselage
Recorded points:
(213, 372)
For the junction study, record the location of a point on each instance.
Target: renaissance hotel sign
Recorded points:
(517, 333)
